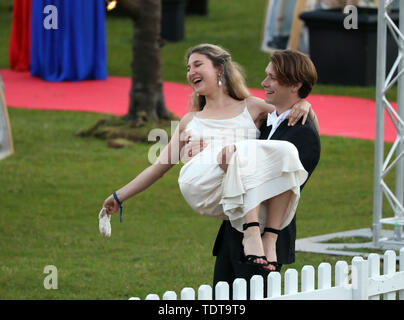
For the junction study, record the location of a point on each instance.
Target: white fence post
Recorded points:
(308, 279)
(291, 281)
(359, 279)
(170, 295)
(240, 289)
(341, 274)
(324, 275)
(367, 283)
(188, 294)
(256, 287)
(222, 291)
(374, 270)
(205, 292)
(389, 268)
(274, 285)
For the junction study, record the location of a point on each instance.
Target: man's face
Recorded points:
(275, 93)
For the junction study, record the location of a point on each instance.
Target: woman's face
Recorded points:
(201, 74)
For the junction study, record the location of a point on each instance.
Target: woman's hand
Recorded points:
(111, 205)
(299, 110)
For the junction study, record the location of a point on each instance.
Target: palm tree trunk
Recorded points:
(146, 93)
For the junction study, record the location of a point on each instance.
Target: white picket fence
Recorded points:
(359, 281)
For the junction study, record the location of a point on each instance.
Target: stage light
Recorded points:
(111, 4)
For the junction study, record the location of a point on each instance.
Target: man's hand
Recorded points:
(299, 110)
(224, 156)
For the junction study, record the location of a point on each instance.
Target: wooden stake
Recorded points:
(296, 27)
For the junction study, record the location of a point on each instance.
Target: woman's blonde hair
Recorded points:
(232, 76)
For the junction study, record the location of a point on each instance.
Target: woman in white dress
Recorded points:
(253, 183)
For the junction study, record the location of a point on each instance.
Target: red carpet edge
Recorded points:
(338, 115)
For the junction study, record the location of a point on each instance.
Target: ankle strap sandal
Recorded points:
(272, 230)
(273, 263)
(251, 224)
(250, 259)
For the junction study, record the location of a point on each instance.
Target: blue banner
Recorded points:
(68, 40)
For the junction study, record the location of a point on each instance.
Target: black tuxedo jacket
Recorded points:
(307, 142)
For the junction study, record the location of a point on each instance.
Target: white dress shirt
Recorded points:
(274, 120)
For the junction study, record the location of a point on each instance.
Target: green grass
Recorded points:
(55, 183)
(232, 24)
(5, 28)
(53, 186)
(52, 190)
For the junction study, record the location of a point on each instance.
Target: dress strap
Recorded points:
(245, 106)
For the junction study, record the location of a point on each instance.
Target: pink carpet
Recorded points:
(338, 115)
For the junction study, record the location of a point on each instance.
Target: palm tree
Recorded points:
(146, 93)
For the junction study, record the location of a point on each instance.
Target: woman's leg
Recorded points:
(252, 241)
(276, 210)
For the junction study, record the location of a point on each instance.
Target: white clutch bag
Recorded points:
(104, 223)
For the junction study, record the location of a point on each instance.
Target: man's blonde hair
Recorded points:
(293, 67)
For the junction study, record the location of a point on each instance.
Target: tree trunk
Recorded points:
(146, 93)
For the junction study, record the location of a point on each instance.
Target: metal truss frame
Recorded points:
(395, 157)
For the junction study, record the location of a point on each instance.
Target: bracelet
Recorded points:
(119, 204)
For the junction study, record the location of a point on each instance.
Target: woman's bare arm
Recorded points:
(314, 118)
(168, 157)
(301, 109)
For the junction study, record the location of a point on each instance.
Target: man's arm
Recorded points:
(307, 142)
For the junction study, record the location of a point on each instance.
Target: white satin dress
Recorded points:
(258, 170)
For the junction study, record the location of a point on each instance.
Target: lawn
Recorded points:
(52, 188)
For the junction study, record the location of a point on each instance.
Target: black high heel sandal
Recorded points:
(272, 263)
(250, 259)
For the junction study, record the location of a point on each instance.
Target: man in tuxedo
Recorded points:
(286, 69)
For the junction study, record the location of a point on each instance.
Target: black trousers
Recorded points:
(229, 265)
